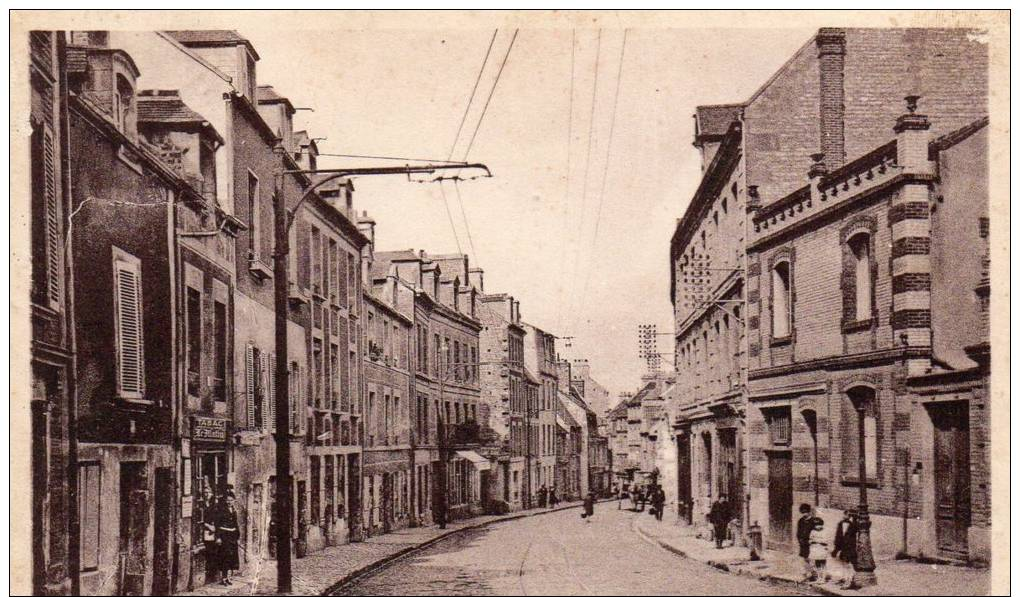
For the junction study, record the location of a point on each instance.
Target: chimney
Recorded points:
(831, 45)
(366, 226)
(476, 277)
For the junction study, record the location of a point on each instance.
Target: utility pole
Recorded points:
(283, 219)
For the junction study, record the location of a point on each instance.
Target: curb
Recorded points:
(389, 559)
(724, 567)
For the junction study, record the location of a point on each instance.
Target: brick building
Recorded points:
(884, 259)
(841, 290)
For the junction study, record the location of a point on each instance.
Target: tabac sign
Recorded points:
(208, 429)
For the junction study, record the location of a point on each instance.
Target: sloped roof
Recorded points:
(211, 38)
(166, 106)
(714, 121)
(265, 94)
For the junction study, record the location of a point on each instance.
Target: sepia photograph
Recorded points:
(509, 302)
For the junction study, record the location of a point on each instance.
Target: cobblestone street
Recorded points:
(555, 554)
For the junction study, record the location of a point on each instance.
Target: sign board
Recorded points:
(187, 504)
(208, 429)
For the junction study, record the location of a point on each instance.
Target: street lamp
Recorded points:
(283, 219)
(864, 567)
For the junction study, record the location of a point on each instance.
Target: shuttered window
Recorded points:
(249, 385)
(127, 284)
(271, 391)
(46, 276)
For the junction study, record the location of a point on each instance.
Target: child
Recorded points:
(818, 550)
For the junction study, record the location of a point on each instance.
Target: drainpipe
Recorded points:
(73, 513)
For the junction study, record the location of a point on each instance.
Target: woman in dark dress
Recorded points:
(227, 535)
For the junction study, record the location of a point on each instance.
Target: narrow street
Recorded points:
(555, 554)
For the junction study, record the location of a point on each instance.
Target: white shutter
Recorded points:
(272, 392)
(249, 383)
(128, 325)
(263, 396)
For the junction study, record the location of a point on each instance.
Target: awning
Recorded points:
(562, 423)
(481, 463)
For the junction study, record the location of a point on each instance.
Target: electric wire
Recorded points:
(492, 92)
(605, 169)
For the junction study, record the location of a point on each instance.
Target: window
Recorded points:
(860, 397)
(334, 376)
(781, 304)
(317, 262)
(193, 332)
(860, 250)
(127, 284)
(318, 374)
(316, 493)
(220, 351)
(46, 271)
(778, 421)
(89, 488)
(254, 217)
(122, 105)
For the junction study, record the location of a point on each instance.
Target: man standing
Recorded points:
(658, 501)
(805, 524)
(542, 495)
(589, 506)
(227, 535)
(844, 546)
(719, 516)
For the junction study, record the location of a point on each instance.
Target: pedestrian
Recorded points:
(658, 502)
(719, 516)
(227, 535)
(818, 549)
(553, 500)
(639, 500)
(543, 494)
(589, 506)
(844, 547)
(805, 524)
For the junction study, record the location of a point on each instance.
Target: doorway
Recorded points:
(952, 477)
(163, 507)
(683, 459)
(134, 526)
(780, 498)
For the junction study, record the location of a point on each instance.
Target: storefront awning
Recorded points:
(481, 463)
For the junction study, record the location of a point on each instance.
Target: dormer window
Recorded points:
(123, 104)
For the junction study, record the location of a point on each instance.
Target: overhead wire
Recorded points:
(492, 92)
(566, 191)
(609, 151)
(587, 162)
(453, 147)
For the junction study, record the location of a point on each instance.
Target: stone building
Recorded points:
(155, 333)
(54, 471)
(504, 412)
(387, 438)
(445, 422)
(540, 358)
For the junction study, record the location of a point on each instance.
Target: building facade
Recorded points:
(814, 358)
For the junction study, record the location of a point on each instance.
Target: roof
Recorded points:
(211, 38)
(713, 121)
(166, 105)
(382, 260)
(265, 94)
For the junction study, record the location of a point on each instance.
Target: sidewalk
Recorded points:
(320, 572)
(895, 577)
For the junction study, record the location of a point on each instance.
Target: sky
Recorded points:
(575, 222)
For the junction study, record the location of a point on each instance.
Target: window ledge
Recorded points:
(259, 269)
(854, 482)
(858, 326)
(781, 341)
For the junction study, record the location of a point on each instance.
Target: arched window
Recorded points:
(860, 251)
(781, 304)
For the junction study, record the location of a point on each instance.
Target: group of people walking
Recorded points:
(547, 497)
(639, 496)
(220, 535)
(814, 548)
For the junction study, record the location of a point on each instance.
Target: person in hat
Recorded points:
(805, 524)
(719, 515)
(227, 535)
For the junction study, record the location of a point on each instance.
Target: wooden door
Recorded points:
(952, 477)
(134, 526)
(163, 506)
(780, 497)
